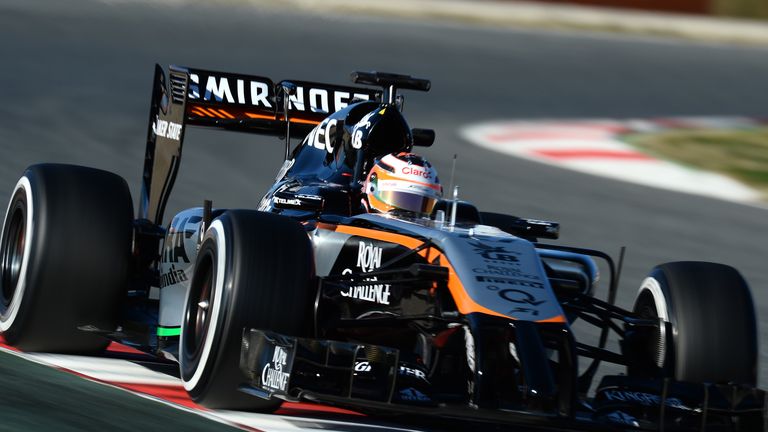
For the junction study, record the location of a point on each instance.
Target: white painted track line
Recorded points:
(132, 376)
(595, 147)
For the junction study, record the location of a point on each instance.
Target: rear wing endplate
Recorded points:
(244, 103)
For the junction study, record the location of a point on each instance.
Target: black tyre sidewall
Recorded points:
(79, 258)
(713, 320)
(23, 288)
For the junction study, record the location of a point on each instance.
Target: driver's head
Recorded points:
(404, 182)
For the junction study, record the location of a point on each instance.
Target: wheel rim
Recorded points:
(646, 307)
(198, 313)
(12, 250)
(202, 312)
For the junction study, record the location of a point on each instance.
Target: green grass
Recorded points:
(755, 9)
(739, 153)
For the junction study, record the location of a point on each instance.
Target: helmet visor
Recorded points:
(407, 201)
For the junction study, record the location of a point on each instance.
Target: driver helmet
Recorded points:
(402, 182)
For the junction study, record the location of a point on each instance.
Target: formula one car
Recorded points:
(452, 313)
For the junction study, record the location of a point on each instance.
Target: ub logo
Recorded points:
(493, 253)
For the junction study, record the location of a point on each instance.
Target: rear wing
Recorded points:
(244, 103)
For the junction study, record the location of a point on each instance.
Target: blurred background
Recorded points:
(754, 9)
(76, 84)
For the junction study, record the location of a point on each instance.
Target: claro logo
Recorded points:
(416, 171)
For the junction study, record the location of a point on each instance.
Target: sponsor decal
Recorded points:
(357, 139)
(322, 136)
(377, 293)
(368, 259)
(173, 247)
(416, 171)
(362, 366)
(494, 254)
(287, 201)
(412, 395)
(509, 281)
(257, 92)
(642, 398)
(306, 202)
(321, 100)
(273, 376)
(230, 90)
(503, 271)
(518, 296)
(173, 277)
(166, 129)
(361, 130)
(411, 372)
(521, 297)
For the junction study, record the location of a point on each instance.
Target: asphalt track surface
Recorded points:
(76, 81)
(38, 398)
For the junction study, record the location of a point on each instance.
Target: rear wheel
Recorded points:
(711, 317)
(253, 271)
(64, 257)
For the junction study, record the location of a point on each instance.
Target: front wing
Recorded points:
(373, 379)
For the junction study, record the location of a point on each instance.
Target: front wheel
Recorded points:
(709, 312)
(254, 270)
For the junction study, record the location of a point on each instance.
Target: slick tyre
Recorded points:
(253, 270)
(64, 257)
(711, 331)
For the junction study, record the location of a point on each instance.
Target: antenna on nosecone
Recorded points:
(453, 171)
(455, 190)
